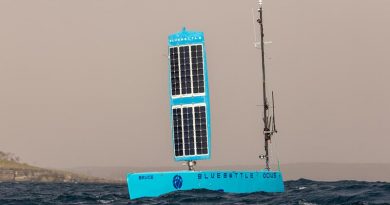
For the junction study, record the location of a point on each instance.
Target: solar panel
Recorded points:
(185, 70)
(187, 76)
(190, 130)
(201, 129)
(177, 131)
(188, 125)
(175, 71)
(197, 68)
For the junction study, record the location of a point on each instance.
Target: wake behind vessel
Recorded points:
(191, 128)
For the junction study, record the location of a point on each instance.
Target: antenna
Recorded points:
(256, 43)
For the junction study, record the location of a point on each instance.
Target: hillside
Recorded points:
(12, 170)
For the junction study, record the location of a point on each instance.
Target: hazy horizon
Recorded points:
(85, 83)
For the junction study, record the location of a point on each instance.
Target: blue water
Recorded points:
(297, 192)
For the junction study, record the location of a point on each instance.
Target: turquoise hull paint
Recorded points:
(153, 184)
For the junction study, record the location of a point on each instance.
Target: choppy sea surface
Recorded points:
(297, 192)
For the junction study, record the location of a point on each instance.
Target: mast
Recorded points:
(267, 133)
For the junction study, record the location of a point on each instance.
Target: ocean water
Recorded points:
(297, 192)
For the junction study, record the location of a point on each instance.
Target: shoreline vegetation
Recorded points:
(12, 170)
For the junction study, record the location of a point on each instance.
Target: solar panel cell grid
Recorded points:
(175, 75)
(185, 70)
(190, 130)
(201, 129)
(177, 131)
(197, 68)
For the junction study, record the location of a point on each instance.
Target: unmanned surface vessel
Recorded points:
(191, 129)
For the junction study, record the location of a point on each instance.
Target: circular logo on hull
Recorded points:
(177, 181)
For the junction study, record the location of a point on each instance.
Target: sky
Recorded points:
(85, 83)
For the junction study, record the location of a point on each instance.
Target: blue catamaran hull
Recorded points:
(152, 184)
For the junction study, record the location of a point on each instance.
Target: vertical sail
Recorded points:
(189, 96)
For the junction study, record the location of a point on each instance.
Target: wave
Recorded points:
(302, 192)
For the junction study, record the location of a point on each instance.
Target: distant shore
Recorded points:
(12, 171)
